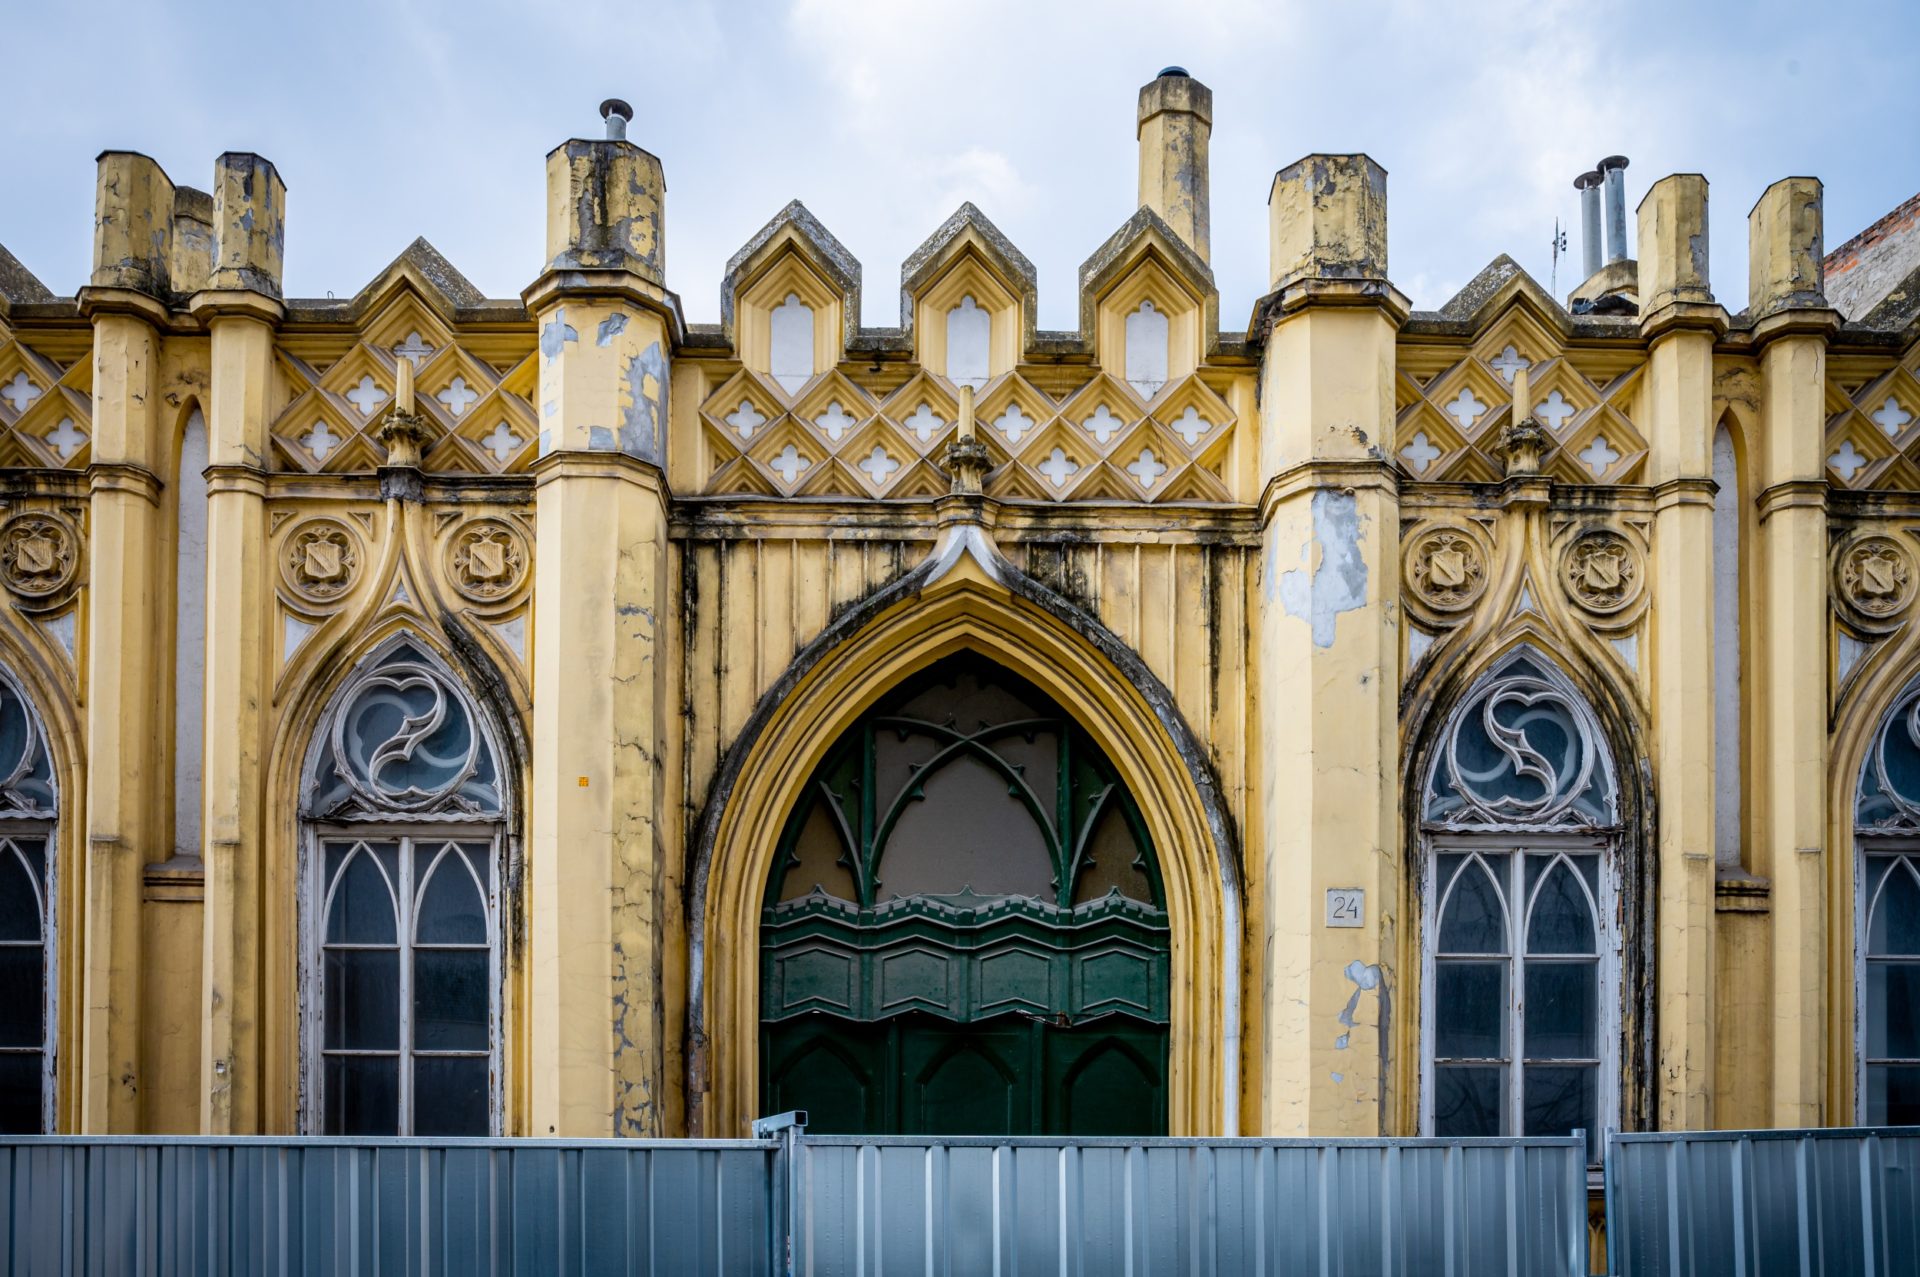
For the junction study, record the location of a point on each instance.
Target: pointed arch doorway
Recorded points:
(965, 929)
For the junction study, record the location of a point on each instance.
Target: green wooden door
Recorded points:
(965, 931)
(1013, 1075)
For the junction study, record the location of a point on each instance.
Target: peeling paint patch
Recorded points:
(1319, 593)
(599, 439)
(646, 408)
(550, 407)
(1366, 978)
(609, 328)
(556, 333)
(546, 442)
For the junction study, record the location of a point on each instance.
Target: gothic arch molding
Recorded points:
(314, 690)
(1428, 711)
(1067, 654)
(1883, 681)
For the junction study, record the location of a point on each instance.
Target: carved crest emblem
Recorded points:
(486, 560)
(38, 554)
(320, 560)
(1602, 571)
(1875, 578)
(1446, 569)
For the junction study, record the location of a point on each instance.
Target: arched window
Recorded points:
(28, 806)
(964, 929)
(1887, 832)
(405, 820)
(1520, 826)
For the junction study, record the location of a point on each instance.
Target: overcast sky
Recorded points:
(411, 117)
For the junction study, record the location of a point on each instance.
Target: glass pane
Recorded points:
(820, 857)
(450, 1002)
(450, 1096)
(1895, 928)
(452, 910)
(1475, 921)
(1893, 1095)
(1562, 920)
(1113, 861)
(1559, 1100)
(1449, 865)
(1893, 1010)
(23, 995)
(362, 1007)
(969, 830)
(1467, 1100)
(19, 899)
(21, 1094)
(362, 1095)
(362, 908)
(1563, 1016)
(1470, 1010)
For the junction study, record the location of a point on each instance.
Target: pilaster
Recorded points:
(605, 931)
(1792, 324)
(1327, 682)
(241, 309)
(1678, 314)
(122, 832)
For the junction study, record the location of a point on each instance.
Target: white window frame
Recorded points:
(1607, 936)
(409, 837)
(46, 831)
(1907, 845)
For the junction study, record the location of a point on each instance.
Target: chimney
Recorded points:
(1176, 119)
(1614, 169)
(1588, 184)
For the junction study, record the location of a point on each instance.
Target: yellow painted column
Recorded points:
(132, 242)
(1681, 320)
(602, 925)
(1791, 325)
(1327, 684)
(241, 307)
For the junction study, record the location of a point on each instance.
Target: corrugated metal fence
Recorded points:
(1744, 1203)
(963, 1206)
(135, 1205)
(159, 1205)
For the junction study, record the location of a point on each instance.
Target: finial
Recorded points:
(966, 458)
(1173, 73)
(403, 386)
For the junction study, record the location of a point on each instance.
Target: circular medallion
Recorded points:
(320, 560)
(1873, 578)
(1602, 571)
(486, 560)
(1445, 568)
(39, 554)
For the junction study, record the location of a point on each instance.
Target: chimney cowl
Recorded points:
(617, 114)
(1588, 180)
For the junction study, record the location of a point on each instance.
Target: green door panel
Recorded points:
(1014, 1075)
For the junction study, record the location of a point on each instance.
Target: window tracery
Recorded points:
(403, 742)
(1522, 751)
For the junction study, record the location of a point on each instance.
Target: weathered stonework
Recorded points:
(670, 563)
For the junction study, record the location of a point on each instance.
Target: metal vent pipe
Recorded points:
(1588, 184)
(616, 113)
(1614, 168)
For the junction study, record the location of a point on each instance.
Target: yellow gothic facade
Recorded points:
(1386, 633)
